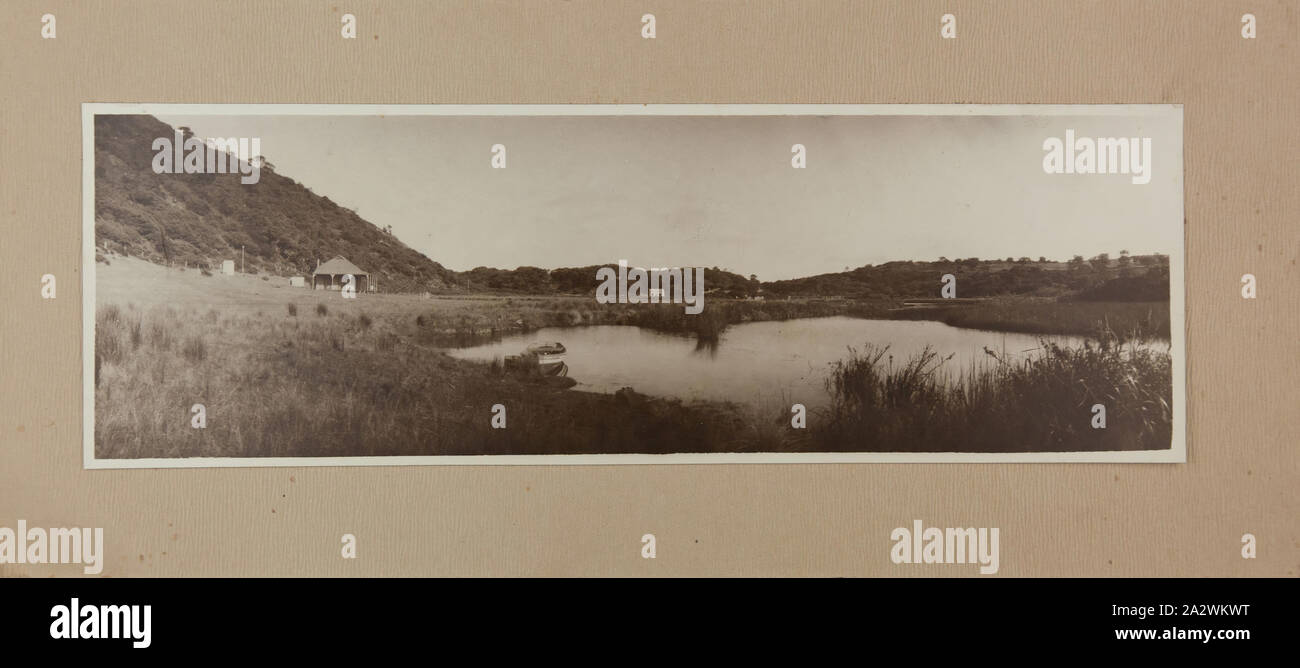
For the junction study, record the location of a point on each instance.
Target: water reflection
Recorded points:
(707, 346)
(758, 363)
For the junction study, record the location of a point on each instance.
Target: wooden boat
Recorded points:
(546, 359)
(550, 358)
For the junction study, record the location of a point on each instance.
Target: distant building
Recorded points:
(297, 282)
(329, 276)
(228, 267)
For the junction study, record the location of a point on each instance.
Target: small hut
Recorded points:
(297, 282)
(329, 276)
(228, 267)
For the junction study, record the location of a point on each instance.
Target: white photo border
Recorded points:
(1177, 453)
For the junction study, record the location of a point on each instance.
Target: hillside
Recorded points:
(201, 219)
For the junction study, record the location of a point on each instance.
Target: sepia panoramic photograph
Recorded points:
(349, 284)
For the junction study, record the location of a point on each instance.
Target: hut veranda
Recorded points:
(329, 276)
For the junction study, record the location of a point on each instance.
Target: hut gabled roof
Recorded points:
(339, 265)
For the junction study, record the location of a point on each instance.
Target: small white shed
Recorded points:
(297, 282)
(228, 267)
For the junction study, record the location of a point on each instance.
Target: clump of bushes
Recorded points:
(194, 349)
(108, 336)
(1040, 403)
(137, 334)
(293, 309)
(109, 315)
(386, 341)
(322, 310)
(160, 336)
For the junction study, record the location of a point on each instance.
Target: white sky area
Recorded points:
(720, 191)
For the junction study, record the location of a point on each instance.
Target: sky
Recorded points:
(720, 190)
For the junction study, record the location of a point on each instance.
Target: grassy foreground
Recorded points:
(344, 384)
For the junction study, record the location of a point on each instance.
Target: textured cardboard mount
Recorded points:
(1239, 97)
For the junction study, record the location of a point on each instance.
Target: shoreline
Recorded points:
(1019, 315)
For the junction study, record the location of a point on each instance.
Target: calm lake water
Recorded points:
(763, 364)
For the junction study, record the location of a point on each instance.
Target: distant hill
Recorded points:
(201, 219)
(1136, 278)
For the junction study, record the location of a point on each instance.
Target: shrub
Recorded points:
(293, 309)
(160, 336)
(137, 335)
(110, 314)
(194, 350)
(322, 310)
(108, 345)
(365, 321)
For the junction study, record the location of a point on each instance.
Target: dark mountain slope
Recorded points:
(205, 218)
